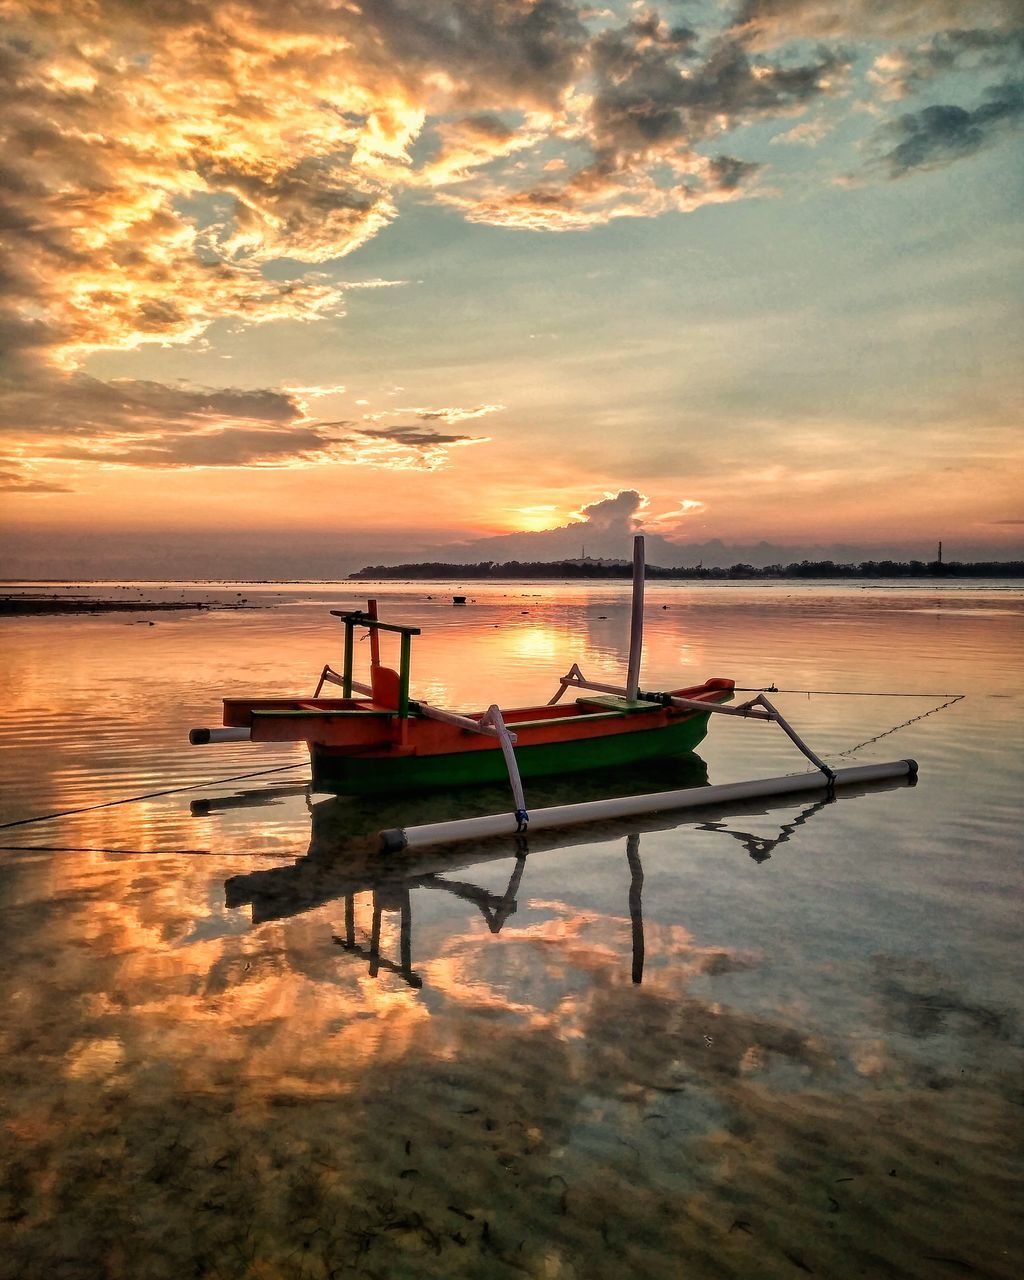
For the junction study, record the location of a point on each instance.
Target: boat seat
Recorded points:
(386, 687)
(612, 702)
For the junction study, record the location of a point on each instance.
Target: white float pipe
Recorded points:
(501, 824)
(200, 737)
(636, 622)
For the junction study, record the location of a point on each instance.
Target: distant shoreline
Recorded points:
(597, 570)
(32, 607)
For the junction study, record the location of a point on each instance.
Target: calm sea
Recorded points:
(776, 1040)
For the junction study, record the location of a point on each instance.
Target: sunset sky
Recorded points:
(291, 288)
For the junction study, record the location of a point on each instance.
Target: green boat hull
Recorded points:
(350, 774)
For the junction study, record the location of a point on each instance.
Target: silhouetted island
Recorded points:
(518, 569)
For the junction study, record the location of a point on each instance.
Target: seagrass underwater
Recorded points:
(781, 1037)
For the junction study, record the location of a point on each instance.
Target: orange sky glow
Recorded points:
(395, 279)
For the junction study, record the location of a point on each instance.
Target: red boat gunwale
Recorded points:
(369, 727)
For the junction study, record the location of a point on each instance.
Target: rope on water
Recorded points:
(151, 795)
(896, 727)
(847, 693)
(951, 700)
(261, 773)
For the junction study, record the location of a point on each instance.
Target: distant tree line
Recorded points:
(518, 569)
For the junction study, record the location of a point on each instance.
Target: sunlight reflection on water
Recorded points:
(750, 1042)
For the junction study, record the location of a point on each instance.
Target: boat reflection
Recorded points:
(256, 798)
(339, 871)
(343, 855)
(495, 909)
(759, 847)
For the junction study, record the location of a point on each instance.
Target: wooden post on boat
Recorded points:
(404, 665)
(369, 620)
(371, 612)
(346, 671)
(636, 627)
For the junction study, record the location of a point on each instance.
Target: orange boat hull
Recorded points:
(360, 748)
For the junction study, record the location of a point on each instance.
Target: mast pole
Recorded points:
(636, 628)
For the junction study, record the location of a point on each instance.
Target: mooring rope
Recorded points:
(959, 697)
(260, 773)
(846, 693)
(951, 700)
(150, 795)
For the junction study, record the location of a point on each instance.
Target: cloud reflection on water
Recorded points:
(818, 1069)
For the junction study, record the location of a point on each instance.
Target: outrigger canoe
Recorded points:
(385, 742)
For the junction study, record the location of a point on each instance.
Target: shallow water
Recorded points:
(758, 1042)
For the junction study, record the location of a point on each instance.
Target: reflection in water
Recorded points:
(495, 910)
(636, 917)
(631, 1053)
(338, 867)
(509, 1101)
(920, 1002)
(399, 901)
(760, 847)
(258, 798)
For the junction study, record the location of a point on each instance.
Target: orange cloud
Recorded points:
(161, 157)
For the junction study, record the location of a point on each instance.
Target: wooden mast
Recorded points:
(636, 627)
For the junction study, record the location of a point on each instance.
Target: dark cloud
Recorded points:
(130, 422)
(490, 48)
(220, 447)
(486, 126)
(137, 423)
(17, 480)
(415, 437)
(657, 97)
(958, 50)
(937, 135)
(728, 174)
(78, 405)
(645, 101)
(770, 22)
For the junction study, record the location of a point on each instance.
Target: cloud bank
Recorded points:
(159, 157)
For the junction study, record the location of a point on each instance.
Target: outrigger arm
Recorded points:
(492, 724)
(757, 708)
(330, 676)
